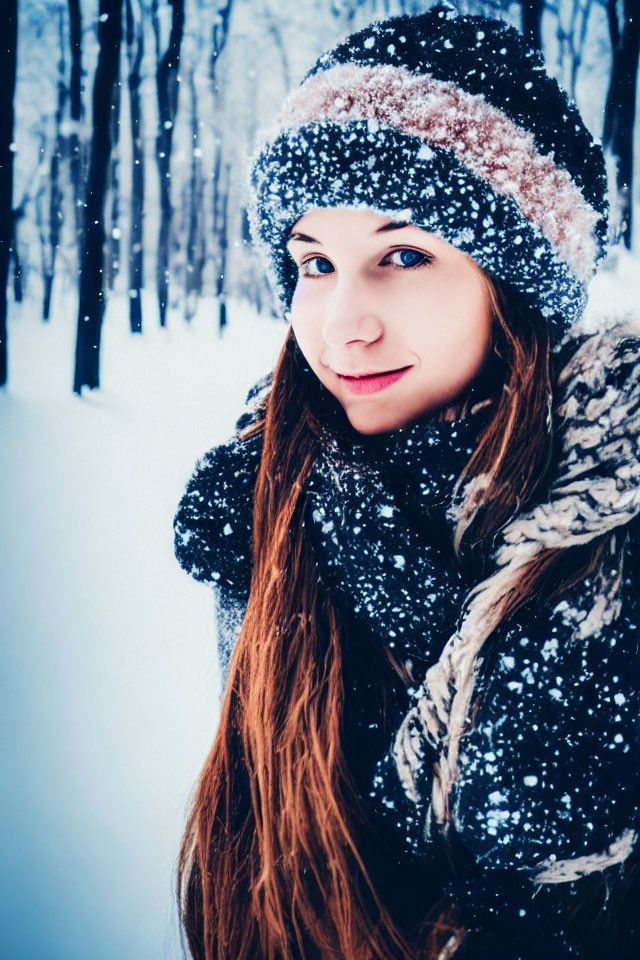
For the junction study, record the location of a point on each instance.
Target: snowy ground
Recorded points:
(108, 677)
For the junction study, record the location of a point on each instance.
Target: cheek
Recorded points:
(464, 304)
(450, 320)
(306, 315)
(306, 332)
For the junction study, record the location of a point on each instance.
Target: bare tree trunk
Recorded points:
(135, 53)
(76, 147)
(614, 26)
(273, 28)
(579, 37)
(620, 109)
(196, 244)
(55, 196)
(113, 256)
(345, 12)
(9, 25)
(168, 88)
(16, 273)
(221, 228)
(253, 292)
(220, 34)
(39, 205)
(532, 21)
(92, 302)
(571, 31)
(33, 191)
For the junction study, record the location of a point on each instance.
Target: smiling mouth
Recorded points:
(364, 376)
(363, 384)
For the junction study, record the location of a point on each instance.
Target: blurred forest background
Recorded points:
(126, 125)
(134, 316)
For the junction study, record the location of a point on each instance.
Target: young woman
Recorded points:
(422, 537)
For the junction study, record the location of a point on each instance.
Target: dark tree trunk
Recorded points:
(113, 257)
(55, 195)
(614, 26)
(579, 36)
(220, 34)
(76, 149)
(168, 88)
(196, 245)
(15, 257)
(20, 270)
(135, 53)
(39, 202)
(222, 235)
(9, 26)
(620, 109)
(92, 302)
(532, 21)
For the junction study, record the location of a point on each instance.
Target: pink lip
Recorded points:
(372, 382)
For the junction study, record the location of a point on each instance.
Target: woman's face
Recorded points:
(373, 296)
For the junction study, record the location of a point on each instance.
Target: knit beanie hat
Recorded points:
(452, 123)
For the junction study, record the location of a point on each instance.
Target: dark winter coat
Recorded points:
(545, 787)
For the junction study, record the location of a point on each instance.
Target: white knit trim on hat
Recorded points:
(479, 135)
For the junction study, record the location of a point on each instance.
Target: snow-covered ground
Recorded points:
(108, 676)
(109, 683)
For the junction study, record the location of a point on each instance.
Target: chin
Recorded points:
(374, 423)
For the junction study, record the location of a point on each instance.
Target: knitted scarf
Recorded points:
(379, 517)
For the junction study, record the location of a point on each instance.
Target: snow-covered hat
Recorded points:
(453, 123)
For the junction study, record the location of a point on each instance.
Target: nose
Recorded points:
(350, 314)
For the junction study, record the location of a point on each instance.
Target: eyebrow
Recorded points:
(393, 225)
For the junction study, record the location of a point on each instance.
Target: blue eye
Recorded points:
(415, 259)
(321, 260)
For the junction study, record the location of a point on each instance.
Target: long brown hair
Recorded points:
(271, 863)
